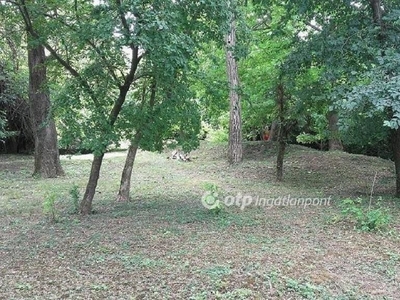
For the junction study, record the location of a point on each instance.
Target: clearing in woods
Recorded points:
(165, 245)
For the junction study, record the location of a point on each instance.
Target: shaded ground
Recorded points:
(166, 245)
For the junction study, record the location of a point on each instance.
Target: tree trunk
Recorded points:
(86, 203)
(47, 158)
(376, 7)
(281, 133)
(334, 140)
(125, 186)
(274, 132)
(235, 120)
(280, 157)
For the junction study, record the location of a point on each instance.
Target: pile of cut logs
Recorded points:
(179, 155)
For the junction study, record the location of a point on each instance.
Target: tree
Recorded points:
(47, 158)
(320, 36)
(105, 48)
(354, 46)
(47, 161)
(157, 92)
(257, 53)
(125, 184)
(390, 81)
(282, 135)
(166, 113)
(235, 119)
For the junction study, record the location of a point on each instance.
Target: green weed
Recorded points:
(75, 196)
(365, 218)
(212, 198)
(306, 290)
(49, 206)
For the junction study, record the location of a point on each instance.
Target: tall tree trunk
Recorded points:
(47, 158)
(235, 120)
(334, 140)
(86, 203)
(282, 132)
(125, 186)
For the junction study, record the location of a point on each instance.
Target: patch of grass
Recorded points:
(389, 267)
(217, 272)
(96, 259)
(305, 290)
(140, 261)
(95, 239)
(99, 287)
(23, 286)
(236, 294)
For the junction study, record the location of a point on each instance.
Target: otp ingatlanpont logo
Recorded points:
(210, 200)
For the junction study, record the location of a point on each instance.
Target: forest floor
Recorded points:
(165, 244)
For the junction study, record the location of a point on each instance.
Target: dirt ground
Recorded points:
(165, 244)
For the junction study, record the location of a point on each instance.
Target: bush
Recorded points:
(218, 135)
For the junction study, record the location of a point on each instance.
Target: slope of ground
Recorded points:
(166, 245)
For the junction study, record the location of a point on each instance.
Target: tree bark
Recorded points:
(281, 133)
(376, 11)
(334, 140)
(273, 133)
(280, 157)
(86, 203)
(47, 158)
(235, 120)
(125, 186)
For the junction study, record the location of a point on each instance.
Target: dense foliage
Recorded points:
(154, 71)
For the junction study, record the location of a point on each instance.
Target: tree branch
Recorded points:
(124, 22)
(92, 45)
